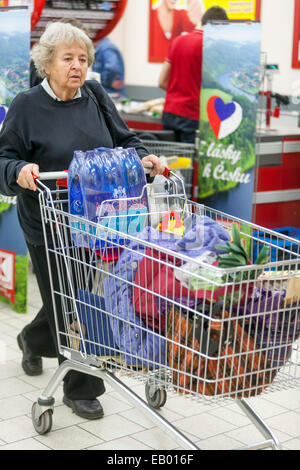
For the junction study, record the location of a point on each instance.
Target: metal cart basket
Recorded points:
(141, 294)
(181, 158)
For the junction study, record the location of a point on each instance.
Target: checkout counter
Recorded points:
(142, 122)
(276, 198)
(276, 193)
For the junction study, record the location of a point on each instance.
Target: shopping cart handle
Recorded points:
(60, 176)
(35, 178)
(166, 172)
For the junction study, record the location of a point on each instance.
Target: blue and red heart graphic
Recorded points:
(224, 118)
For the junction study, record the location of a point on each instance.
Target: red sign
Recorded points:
(296, 39)
(7, 274)
(37, 11)
(99, 18)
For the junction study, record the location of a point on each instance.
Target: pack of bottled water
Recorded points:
(106, 187)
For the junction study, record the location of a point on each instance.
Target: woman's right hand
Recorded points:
(25, 178)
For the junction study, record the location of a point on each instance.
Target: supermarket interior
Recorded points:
(150, 227)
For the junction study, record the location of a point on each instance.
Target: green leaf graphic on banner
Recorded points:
(4, 206)
(6, 202)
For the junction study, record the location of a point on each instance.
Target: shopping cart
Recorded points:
(181, 158)
(162, 312)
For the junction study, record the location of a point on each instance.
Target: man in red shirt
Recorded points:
(181, 77)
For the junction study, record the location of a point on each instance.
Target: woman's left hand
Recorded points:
(154, 163)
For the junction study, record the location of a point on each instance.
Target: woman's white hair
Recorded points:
(55, 34)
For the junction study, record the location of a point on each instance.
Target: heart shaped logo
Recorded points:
(224, 118)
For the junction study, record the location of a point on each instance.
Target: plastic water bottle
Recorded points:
(76, 206)
(135, 179)
(135, 173)
(112, 212)
(113, 181)
(103, 187)
(92, 182)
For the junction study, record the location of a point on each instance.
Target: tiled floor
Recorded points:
(124, 427)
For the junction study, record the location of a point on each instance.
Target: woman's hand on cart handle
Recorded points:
(27, 176)
(154, 163)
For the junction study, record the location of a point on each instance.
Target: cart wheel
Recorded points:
(43, 424)
(155, 399)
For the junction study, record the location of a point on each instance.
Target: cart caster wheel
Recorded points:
(157, 398)
(43, 423)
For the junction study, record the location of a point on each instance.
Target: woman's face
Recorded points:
(67, 71)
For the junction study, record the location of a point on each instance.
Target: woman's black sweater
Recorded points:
(41, 130)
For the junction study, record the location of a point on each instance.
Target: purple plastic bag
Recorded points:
(276, 327)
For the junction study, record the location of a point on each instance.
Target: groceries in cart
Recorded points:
(75, 193)
(140, 345)
(206, 319)
(172, 223)
(140, 287)
(192, 302)
(155, 280)
(168, 304)
(106, 187)
(187, 294)
(274, 321)
(239, 353)
(215, 356)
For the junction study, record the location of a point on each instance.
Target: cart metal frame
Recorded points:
(57, 222)
(171, 150)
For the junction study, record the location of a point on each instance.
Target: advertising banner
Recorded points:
(171, 18)
(7, 275)
(33, 6)
(227, 129)
(14, 77)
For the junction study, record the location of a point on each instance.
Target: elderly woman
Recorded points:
(43, 127)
